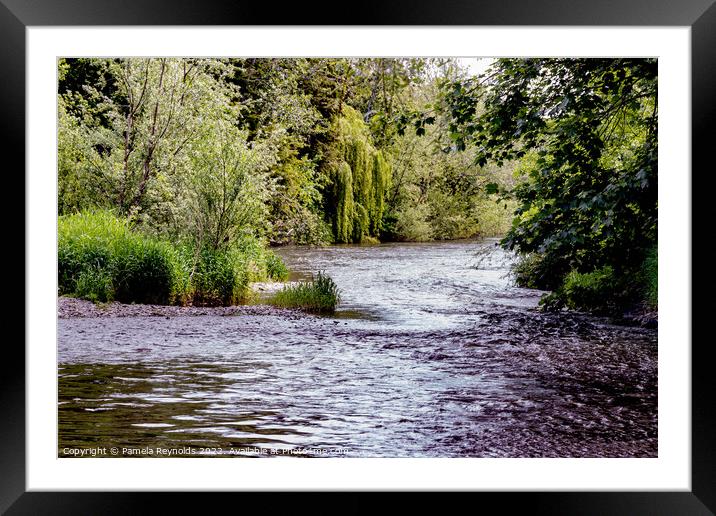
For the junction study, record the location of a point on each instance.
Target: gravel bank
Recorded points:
(68, 307)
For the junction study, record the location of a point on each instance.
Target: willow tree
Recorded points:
(360, 180)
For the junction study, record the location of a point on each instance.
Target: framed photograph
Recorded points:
(416, 252)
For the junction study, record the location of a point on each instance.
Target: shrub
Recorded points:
(143, 271)
(450, 216)
(259, 263)
(320, 295)
(84, 243)
(94, 284)
(535, 270)
(527, 270)
(598, 290)
(275, 267)
(369, 240)
(249, 253)
(411, 224)
(219, 278)
(101, 259)
(494, 218)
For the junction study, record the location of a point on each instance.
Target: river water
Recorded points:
(433, 353)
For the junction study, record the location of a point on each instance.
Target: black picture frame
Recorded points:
(699, 15)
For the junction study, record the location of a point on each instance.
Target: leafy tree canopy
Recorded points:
(585, 131)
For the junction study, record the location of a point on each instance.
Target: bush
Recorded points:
(275, 268)
(100, 258)
(259, 263)
(535, 270)
(528, 271)
(249, 253)
(450, 216)
(320, 295)
(412, 224)
(604, 290)
(494, 218)
(144, 272)
(598, 291)
(84, 243)
(220, 278)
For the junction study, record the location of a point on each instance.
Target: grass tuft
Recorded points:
(319, 296)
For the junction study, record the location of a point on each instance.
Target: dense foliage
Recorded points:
(294, 150)
(586, 133)
(205, 162)
(101, 258)
(438, 193)
(360, 180)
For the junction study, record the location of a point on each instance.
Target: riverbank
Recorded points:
(71, 308)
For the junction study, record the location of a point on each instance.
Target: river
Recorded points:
(432, 353)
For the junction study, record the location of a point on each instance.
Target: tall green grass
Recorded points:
(320, 295)
(275, 267)
(101, 258)
(219, 278)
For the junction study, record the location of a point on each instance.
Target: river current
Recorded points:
(433, 353)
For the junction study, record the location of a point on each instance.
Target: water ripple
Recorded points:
(433, 354)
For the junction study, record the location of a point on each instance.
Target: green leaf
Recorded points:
(491, 188)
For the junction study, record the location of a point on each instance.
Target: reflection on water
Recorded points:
(434, 353)
(144, 406)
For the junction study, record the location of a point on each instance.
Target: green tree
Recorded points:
(437, 193)
(588, 197)
(360, 179)
(227, 188)
(278, 109)
(136, 138)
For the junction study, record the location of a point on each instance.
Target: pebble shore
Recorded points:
(68, 307)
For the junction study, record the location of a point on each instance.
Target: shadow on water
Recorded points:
(435, 353)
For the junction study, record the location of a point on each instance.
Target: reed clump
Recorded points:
(319, 296)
